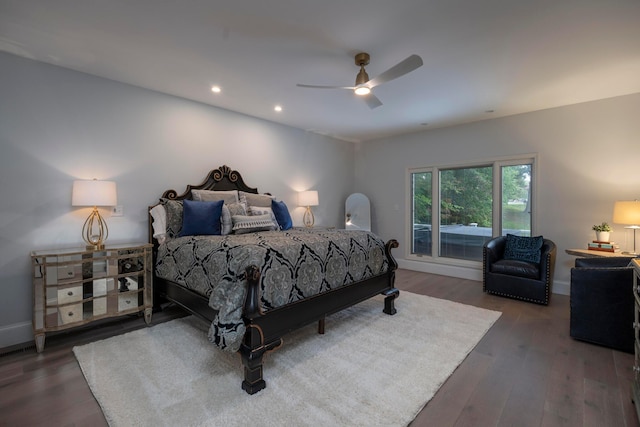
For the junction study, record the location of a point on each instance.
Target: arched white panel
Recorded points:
(357, 212)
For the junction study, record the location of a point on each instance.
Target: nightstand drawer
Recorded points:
(100, 287)
(68, 295)
(70, 313)
(127, 301)
(100, 306)
(69, 272)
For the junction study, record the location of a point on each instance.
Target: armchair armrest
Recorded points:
(494, 251)
(547, 259)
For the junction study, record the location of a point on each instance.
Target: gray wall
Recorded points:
(58, 125)
(587, 159)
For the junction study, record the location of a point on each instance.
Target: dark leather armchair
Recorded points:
(602, 302)
(522, 280)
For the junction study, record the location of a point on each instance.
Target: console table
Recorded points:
(586, 253)
(73, 287)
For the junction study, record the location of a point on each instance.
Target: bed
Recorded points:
(254, 287)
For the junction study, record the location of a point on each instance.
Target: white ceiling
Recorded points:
(511, 56)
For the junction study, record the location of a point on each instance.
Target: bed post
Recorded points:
(392, 293)
(253, 346)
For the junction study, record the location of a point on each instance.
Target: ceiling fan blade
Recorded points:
(398, 70)
(326, 87)
(372, 101)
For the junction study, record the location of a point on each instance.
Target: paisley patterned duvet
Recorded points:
(294, 264)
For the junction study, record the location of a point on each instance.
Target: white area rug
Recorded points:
(369, 369)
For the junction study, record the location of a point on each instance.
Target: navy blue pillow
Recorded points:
(523, 248)
(201, 218)
(282, 215)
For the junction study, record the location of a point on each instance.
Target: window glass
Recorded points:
(466, 200)
(421, 213)
(516, 200)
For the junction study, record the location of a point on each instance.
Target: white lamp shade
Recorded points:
(627, 212)
(94, 193)
(308, 198)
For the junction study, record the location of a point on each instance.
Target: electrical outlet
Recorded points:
(117, 211)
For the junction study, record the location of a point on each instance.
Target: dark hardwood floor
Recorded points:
(526, 371)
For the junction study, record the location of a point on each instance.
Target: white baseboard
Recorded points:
(561, 287)
(470, 273)
(16, 333)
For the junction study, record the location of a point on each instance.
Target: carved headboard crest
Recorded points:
(221, 179)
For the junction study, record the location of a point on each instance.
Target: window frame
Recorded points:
(497, 164)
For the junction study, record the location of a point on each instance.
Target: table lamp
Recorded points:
(628, 212)
(94, 193)
(308, 199)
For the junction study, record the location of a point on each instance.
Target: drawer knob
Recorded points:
(70, 314)
(70, 293)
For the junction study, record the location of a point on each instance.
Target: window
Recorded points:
(421, 212)
(455, 210)
(466, 202)
(516, 199)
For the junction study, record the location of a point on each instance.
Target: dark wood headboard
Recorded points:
(221, 179)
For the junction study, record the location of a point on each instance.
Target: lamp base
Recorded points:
(308, 219)
(95, 231)
(98, 247)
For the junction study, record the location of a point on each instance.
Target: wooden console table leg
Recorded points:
(147, 315)
(39, 339)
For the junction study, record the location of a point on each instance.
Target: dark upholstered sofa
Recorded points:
(524, 280)
(602, 302)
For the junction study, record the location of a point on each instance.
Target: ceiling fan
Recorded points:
(364, 86)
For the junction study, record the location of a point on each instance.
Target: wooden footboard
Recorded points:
(265, 331)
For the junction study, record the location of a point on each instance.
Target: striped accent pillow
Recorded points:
(248, 224)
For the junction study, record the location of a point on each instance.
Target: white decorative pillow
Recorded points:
(251, 199)
(228, 210)
(225, 221)
(159, 215)
(229, 197)
(260, 210)
(237, 209)
(251, 223)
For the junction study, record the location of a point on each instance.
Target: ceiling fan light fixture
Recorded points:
(364, 85)
(362, 90)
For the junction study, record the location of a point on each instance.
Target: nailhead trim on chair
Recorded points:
(546, 288)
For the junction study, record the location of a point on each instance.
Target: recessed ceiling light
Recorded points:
(278, 108)
(215, 89)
